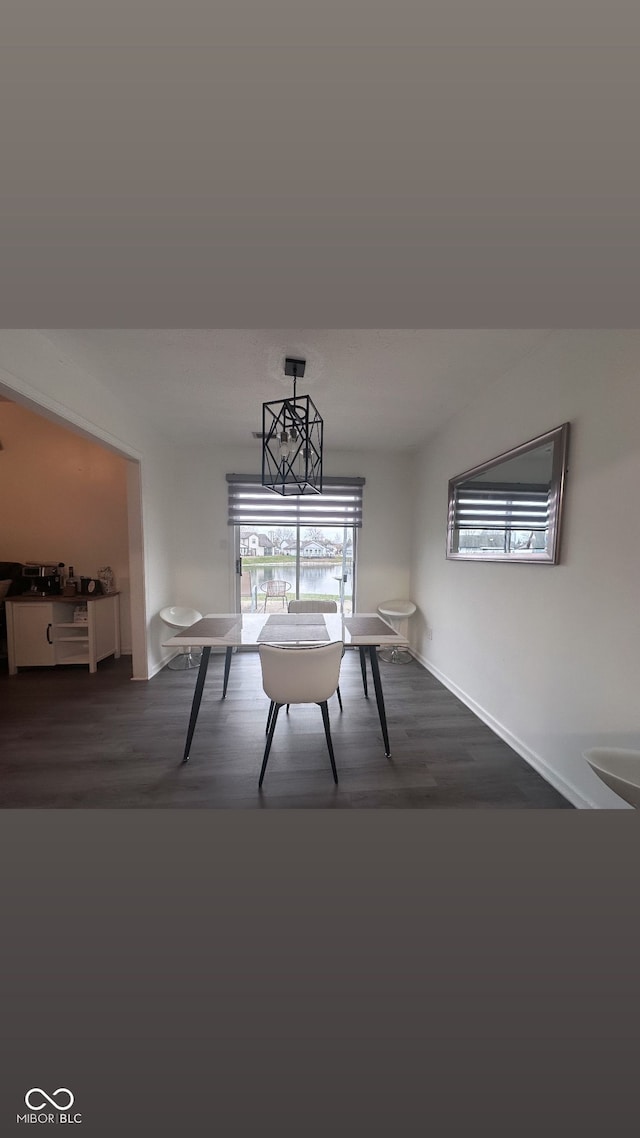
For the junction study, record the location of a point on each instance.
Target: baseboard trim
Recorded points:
(159, 666)
(568, 791)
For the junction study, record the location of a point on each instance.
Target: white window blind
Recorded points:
(500, 507)
(251, 503)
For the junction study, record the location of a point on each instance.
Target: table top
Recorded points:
(251, 629)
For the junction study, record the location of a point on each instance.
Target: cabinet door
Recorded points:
(33, 635)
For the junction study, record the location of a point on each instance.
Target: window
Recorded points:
(307, 542)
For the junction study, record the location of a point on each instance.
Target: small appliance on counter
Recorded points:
(90, 587)
(42, 579)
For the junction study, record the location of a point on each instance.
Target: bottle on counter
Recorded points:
(72, 581)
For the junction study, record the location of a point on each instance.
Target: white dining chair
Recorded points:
(317, 606)
(313, 606)
(396, 613)
(179, 617)
(299, 674)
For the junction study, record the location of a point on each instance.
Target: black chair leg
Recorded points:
(339, 697)
(274, 720)
(271, 707)
(325, 719)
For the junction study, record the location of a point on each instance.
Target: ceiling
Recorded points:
(376, 389)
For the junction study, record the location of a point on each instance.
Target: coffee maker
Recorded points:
(41, 579)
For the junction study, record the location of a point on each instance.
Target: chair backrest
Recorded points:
(178, 616)
(276, 588)
(313, 606)
(295, 673)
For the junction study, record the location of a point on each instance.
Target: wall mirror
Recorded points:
(509, 508)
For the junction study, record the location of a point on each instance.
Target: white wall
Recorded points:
(548, 655)
(66, 501)
(203, 540)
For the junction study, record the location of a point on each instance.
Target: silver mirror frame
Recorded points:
(559, 437)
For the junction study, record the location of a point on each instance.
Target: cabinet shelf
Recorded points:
(39, 633)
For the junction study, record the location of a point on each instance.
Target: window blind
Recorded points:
(499, 506)
(251, 503)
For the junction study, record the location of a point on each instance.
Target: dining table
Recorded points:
(365, 631)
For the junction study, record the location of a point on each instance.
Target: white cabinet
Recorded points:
(42, 633)
(31, 635)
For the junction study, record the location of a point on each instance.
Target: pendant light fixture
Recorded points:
(292, 440)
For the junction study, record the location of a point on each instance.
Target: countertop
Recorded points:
(59, 599)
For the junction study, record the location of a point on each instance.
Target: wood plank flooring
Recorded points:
(68, 739)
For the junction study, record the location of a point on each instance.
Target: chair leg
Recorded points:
(271, 707)
(274, 720)
(325, 719)
(339, 697)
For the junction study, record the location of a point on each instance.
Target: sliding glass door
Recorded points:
(276, 564)
(294, 547)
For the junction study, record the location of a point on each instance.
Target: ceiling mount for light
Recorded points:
(294, 368)
(292, 440)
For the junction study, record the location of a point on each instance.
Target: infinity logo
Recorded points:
(57, 1105)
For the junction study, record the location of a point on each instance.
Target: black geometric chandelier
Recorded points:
(292, 441)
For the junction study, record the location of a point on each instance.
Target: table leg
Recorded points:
(197, 696)
(363, 668)
(379, 697)
(227, 668)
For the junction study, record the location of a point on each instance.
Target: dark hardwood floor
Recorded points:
(68, 739)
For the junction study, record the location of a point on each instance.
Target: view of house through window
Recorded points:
(283, 563)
